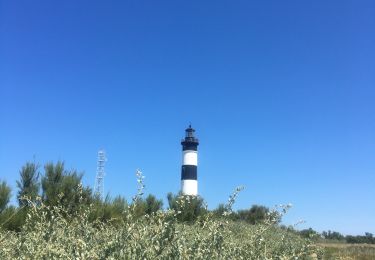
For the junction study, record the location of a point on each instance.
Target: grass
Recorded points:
(348, 251)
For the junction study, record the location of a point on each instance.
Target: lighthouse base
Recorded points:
(189, 187)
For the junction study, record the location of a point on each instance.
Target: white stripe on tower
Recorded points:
(189, 187)
(189, 183)
(190, 157)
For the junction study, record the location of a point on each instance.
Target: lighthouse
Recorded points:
(189, 182)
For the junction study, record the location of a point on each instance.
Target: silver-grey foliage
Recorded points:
(49, 234)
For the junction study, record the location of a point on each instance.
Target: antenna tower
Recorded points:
(99, 180)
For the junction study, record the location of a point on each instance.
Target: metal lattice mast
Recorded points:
(99, 180)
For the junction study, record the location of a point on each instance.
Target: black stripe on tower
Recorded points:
(189, 172)
(189, 146)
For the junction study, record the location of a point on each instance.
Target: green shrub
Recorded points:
(51, 232)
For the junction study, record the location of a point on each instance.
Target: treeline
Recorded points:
(368, 238)
(57, 186)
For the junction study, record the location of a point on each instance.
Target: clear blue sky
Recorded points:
(281, 93)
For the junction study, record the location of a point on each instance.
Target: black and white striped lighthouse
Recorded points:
(189, 182)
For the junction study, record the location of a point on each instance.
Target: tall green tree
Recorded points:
(189, 207)
(52, 182)
(62, 187)
(109, 209)
(153, 204)
(308, 233)
(219, 211)
(256, 214)
(119, 204)
(28, 184)
(5, 193)
(334, 235)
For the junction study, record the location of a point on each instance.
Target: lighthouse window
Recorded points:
(189, 134)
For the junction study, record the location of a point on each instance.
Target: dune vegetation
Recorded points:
(67, 221)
